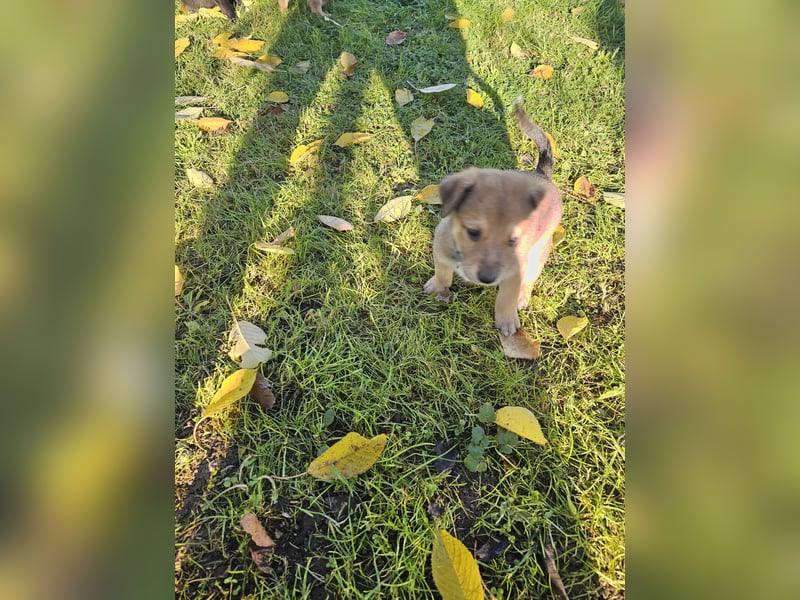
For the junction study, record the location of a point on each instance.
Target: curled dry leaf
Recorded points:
(304, 150)
(284, 236)
(179, 281)
(212, 124)
(460, 23)
(403, 96)
(520, 421)
(348, 62)
(507, 15)
(272, 109)
(252, 64)
(245, 341)
(588, 43)
(181, 44)
(435, 89)
(396, 37)
(520, 345)
(394, 210)
(191, 113)
(261, 392)
(335, 223)
(454, 570)
(474, 98)
(420, 127)
(199, 179)
(569, 326)
(516, 51)
(585, 189)
(279, 97)
(261, 545)
(559, 235)
(301, 68)
(352, 455)
(429, 194)
(550, 565)
(615, 199)
(553, 145)
(353, 137)
(233, 388)
(542, 72)
(272, 248)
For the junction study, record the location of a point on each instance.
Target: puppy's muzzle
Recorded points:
(487, 277)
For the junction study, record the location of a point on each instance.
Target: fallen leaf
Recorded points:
(403, 96)
(273, 248)
(559, 235)
(179, 281)
(261, 392)
(507, 14)
(221, 39)
(244, 45)
(520, 421)
(199, 179)
(553, 145)
(352, 455)
(261, 545)
(233, 388)
(394, 209)
(585, 189)
(348, 62)
(578, 10)
(245, 341)
(455, 571)
(396, 37)
(335, 222)
(227, 53)
(542, 72)
(301, 68)
(429, 194)
(244, 62)
(353, 137)
(591, 44)
(474, 98)
(303, 150)
(272, 109)
(520, 345)
(279, 97)
(269, 59)
(189, 114)
(420, 127)
(184, 100)
(215, 12)
(569, 326)
(181, 44)
(460, 23)
(434, 89)
(284, 236)
(517, 52)
(614, 199)
(181, 19)
(213, 124)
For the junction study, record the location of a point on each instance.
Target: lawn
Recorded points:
(357, 345)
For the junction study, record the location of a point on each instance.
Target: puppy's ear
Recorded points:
(453, 190)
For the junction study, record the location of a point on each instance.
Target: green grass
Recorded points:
(351, 328)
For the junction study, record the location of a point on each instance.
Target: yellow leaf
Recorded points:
(520, 421)
(234, 387)
(429, 194)
(303, 150)
(589, 43)
(352, 455)
(224, 52)
(569, 326)
(245, 45)
(420, 127)
(520, 345)
(353, 137)
(559, 235)
(279, 97)
(403, 96)
(460, 23)
(221, 39)
(269, 59)
(507, 14)
(584, 188)
(517, 51)
(212, 12)
(394, 210)
(286, 235)
(542, 72)
(335, 223)
(474, 98)
(272, 248)
(614, 199)
(179, 281)
(213, 123)
(553, 145)
(455, 571)
(199, 179)
(180, 45)
(348, 62)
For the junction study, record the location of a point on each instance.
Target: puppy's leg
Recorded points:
(506, 317)
(441, 281)
(536, 261)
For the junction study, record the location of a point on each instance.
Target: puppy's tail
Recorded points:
(535, 133)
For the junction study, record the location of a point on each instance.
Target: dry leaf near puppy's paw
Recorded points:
(584, 189)
(569, 326)
(520, 345)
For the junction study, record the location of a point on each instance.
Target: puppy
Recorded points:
(498, 229)
(226, 6)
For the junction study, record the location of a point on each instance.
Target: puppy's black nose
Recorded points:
(486, 277)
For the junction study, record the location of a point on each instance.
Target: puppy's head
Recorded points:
(490, 214)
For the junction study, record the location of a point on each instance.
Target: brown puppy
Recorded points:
(497, 229)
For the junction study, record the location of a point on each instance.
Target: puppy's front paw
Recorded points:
(507, 324)
(443, 293)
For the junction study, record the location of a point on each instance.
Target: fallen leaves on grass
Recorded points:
(246, 45)
(261, 392)
(614, 199)
(245, 341)
(520, 345)
(585, 189)
(569, 326)
(542, 72)
(252, 64)
(269, 59)
(273, 109)
(352, 455)
(335, 223)
(190, 113)
(420, 127)
(455, 571)
(474, 98)
(521, 421)
(403, 96)
(348, 61)
(507, 15)
(588, 43)
(304, 150)
(179, 281)
(460, 23)
(395, 38)
(199, 179)
(435, 89)
(278, 97)
(516, 51)
(559, 235)
(429, 194)
(181, 44)
(283, 236)
(272, 248)
(351, 137)
(213, 124)
(394, 209)
(184, 100)
(233, 388)
(261, 545)
(301, 68)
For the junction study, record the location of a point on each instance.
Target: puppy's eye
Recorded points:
(474, 234)
(513, 241)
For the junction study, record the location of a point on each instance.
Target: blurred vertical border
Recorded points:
(713, 288)
(86, 253)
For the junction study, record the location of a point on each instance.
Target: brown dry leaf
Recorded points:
(520, 345)
(395, 38)
(181, 44)
(553, 145)
(394, 210)
(559, 235)
(569, 326)
(261, 545)
(335, 222)
(269, 59)
(517, 51)
(286, 235)
(179, 281)
(614, 199)
(507, 15)
(429, 194)
(420, 127)
(460, 23)
(474, 98)
(190, 113)
(199, 179)
(542, 72)
(213, 124)
(261, 392)
(304, 150)
(585, 189)
(589, 43)
(351, 137)
(301, 68)
(403, 96)
(279, 97)
(244, 62)
(273, 109)
(348, 62)
(435, 89)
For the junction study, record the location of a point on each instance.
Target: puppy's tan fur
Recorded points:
(497, 230)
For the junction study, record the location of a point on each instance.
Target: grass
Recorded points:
(351, 329)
